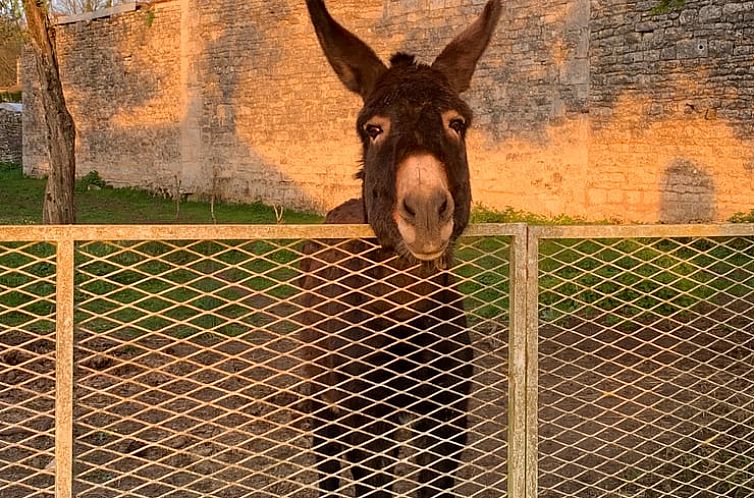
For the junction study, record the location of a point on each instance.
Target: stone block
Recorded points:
(691, 49)
(668, 53)
(710, 13)
(596, 198)
(733, 8)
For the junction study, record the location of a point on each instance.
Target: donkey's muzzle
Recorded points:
(424, 207)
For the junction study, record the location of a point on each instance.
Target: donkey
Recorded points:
(387, 346)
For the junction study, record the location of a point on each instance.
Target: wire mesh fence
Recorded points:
(189, 367)
(195, 361)
(27, 369)
(646, 366)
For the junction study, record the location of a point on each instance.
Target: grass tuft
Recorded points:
(484, 214)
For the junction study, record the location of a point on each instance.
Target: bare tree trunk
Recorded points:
(61, 132)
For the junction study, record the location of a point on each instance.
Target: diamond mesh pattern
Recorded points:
(191, 372)
(646, 367)
(27, 369)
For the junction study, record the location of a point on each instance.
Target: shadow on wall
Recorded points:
(129, 101)
(228, 63)
(267, 122)
(242, 102)
(688, 193)
(660, 47)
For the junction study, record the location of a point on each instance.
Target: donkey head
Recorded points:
(415, 175)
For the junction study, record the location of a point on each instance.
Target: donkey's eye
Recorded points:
(458, 125)
(373, 131)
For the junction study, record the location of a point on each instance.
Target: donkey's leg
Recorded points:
(373, 458)
(443, 440)
(328, 447)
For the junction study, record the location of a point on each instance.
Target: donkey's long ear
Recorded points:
(458, 61)
(357, 66)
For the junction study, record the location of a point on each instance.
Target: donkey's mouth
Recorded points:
(428, 256)
(422, 245)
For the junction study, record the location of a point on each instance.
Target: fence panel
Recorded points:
(191, 380)
(189, 367)
(646, 362)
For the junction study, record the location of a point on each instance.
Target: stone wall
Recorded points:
(122, 86)
(10, 135)
(672, 110)
(600, 108)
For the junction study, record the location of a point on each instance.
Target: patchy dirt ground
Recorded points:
(659, 407)
(201, 417)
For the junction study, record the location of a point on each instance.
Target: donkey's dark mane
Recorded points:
(404, 59)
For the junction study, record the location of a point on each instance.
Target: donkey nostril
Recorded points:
(408, 209)
(443, 207)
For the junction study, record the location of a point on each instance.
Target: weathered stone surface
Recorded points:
(690, 106)
(583, 107)
(10, 135)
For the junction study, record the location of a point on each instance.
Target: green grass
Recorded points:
(667, 6)
(217, 285)
(482, 269)
(484, 214)
(742, 217)
(151, 268)
(22, 204)
(202, 284)
(214, 284)
(622, 280)
(10, 96)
